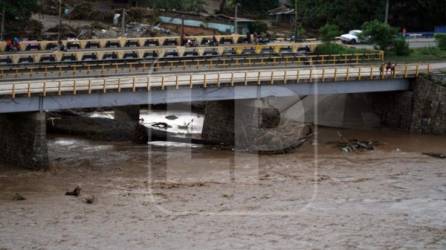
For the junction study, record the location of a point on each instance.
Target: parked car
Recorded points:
(353, 37)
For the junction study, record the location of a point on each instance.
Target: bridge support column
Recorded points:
(127, 114)
(251, 125)
(23, 140)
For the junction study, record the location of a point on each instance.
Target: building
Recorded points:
(282, 14)
(220, 23)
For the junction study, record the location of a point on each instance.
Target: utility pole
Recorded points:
(59, 35)
(296, 28)
(123, 24)
(3, 22)
(182, 30)
(236, 18)
(386, 18)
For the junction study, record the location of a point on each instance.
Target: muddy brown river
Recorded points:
(182, 196)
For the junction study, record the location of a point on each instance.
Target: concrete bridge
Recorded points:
(24, 103)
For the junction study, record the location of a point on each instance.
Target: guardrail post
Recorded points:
(190, 81)
(311, 75)
(44, 88)
(405, 71)
(347, 76)
(297, 76)
(272, 77)
(335, 74)
(218, 80)
(359, 74)
(74, 88)
(428, 69)
(417, 71)
(104, 85)
(13, 91)
(246, 78)
(29, 89)
(232, 79)
(59, 88)
(205, 81)
(323, 75)
(89, 86)
(176, 82)
(148, 83)
(285, 76)
(258, 78)
(162, 82)
(134, 84)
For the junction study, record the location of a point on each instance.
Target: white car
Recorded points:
(353, 37)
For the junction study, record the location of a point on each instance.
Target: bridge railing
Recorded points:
(205, 80)
(72, 70)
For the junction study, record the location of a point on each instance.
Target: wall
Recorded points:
(421, 110)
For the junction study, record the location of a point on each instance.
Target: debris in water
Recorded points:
(90, 199)
(18, 197)
(172, 117)
(436, 155)
(161, 125)
(76, 192)
(355, 145)
(186, 125)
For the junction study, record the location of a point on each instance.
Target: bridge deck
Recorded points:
(204, 80)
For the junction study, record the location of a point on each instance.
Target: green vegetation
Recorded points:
(184, 5)
(421, 15)
(258, 27)
(380, 34)
(256, 8)
(18, 13)
(333, 48)
(441, 39)
(401, 47)
(418, 55)
(329, 32)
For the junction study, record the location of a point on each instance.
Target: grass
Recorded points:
(432, 54)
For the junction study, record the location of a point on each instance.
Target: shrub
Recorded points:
(380, 33)
(329, 32)
(441, 39)
(258, 27)
(401, 47)
(333, 48)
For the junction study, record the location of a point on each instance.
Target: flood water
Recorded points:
(189, 125)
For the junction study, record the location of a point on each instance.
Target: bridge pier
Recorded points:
(127, 114)
(23, 140)
(251, 125)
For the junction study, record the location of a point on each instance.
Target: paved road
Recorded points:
(200, 79)
(413, 43)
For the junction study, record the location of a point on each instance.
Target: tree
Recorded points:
(18, 13)
(416, 15)
(380, 34)
(252, 8)
(329, 32)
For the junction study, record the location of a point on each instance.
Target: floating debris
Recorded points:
(90, 199)
(355, 145)
(186, 125)
(436, 155)
(161, 125)
(172, 117)
(18, 197)
(76, 192)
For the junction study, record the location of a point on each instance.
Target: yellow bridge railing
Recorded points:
(205, 80)
(72, 70)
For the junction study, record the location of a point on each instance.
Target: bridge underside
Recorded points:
(158, 96)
